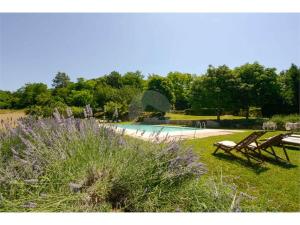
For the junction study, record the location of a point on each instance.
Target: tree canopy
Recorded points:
(61, 80)
(219, 90)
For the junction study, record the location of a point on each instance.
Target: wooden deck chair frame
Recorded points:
(268, 144)
(242, 146)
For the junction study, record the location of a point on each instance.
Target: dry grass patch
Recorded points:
(10, 117)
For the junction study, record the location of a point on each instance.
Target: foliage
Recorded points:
(281, 120)
(159, 96)
(67, 164)
(5, 100)
(289, 82)
(221, 89)
(81, 98)
(202, 111)
(61, 80)
(181, 86)
(163, 86)
(133, 79)
(111, 108)
(114, 79)
(257, 87)
(32, 94)
(216, 89)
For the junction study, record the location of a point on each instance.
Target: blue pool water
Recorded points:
(155, 128)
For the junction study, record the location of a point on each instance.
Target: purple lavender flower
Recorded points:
(69, 113)
(57, 116)
(29, 205)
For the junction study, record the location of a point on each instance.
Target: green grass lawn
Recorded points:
(274, 186)
(175, 116)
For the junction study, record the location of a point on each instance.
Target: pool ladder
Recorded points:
(201, 125)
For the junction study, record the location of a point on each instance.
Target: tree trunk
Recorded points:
(218, 114)
(247, 113)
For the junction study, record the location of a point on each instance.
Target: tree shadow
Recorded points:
(255, 167)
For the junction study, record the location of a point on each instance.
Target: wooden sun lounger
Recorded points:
(293, 140)
(242, 146)
(267, 146)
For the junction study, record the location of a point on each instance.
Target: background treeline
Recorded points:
(220, 90)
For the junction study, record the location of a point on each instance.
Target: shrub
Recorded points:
(114, 110)
(281, 120)
(202, 111)
(253, 112)
(47, 111)
(68, 164)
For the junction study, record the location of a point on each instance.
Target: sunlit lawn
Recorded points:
(274, 186)
(175, 116)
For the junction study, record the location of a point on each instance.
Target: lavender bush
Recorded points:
(68, 164)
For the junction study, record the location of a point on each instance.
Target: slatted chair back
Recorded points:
(249, 139)
(272, 141)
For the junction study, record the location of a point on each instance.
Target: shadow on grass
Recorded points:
(281, 163)
(292, 148)
(255, 167)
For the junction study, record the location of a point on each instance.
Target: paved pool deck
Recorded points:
(176, 135)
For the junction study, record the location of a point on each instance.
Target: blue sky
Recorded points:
(34, 47)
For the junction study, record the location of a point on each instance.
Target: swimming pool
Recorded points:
(155, 128)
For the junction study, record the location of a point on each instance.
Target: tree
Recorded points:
(6, 99)
(44, 98)
(289, 82)
(104, 93)
(61, 80)
(214, 90)
(268, 91)
(31, 94)
(83, 84)
(114, 110)
(133, 79)
(114, 79)
(81, 98)
(181, 83)
(126, 94)
(161, 88)
(257, 87)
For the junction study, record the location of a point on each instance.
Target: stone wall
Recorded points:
(233, 124)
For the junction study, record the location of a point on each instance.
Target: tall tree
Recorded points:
(257, 87)
(247, 77)
(61, 80)
(114, 79)
(159, 93)
(5, 99)
(81, 98)
(289, 82)
(215, 89)
(134, 79)
(181, 83)
(32, 94)
(268, 91)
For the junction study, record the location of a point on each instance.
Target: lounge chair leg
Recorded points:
(248, 158)
(246, 154)
(216, 150)
(259, 151)
(286, 155)
(274, 153)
